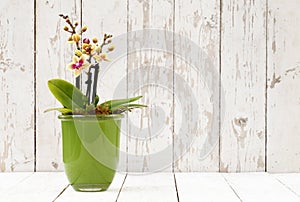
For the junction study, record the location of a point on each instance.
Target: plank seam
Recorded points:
(176, 187)
(61, 192)
(34, 84)
(287, 187)
(173, 88)
(127, 83)
(266, 88)
(220, 82)
(232, 188)
(121, 187)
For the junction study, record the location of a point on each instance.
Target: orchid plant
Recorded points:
(88, 56)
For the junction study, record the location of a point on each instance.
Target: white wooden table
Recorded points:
(183, 187)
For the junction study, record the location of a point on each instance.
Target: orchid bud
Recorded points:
(111, 48)
(95, 40)
(66, 28)
(86, 40)
(84, 28)
(76, 37)
(78, 53)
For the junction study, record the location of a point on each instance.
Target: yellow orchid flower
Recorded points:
(104, 57)
(97, 49)
(78, 64)
(100, 57)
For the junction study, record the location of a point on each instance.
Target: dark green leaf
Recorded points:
(114, 103)
(96, 100)
(67, 94)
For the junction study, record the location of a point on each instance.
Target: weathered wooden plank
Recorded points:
(153, 187)
(198, 21)
(283, 112)
(37, 187)
(53, 54)
(243, 62)
(203, 187)
(109, 195)
(150, 75)
(16, 86)
(112, 83)
(243, 80)
(10, 179)
(259, 187)
(290, 181)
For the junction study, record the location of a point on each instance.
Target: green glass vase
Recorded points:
(90, 150)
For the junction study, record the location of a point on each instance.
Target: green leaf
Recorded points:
(62, 110)
(114, 103)
(67, 94)
(96, 100)
(128, 107)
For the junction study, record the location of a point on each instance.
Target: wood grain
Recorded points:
(53, 54)
(283, 112)
(199, 22)
(252, 45)
(243, 78)
(16, 86)
(150, 129)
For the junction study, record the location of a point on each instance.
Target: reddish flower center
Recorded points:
(78, 64)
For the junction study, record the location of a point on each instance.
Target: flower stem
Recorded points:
(78, 81)
(96, 72)
(88, 82)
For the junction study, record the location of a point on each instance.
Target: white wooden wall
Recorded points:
(254, 46)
